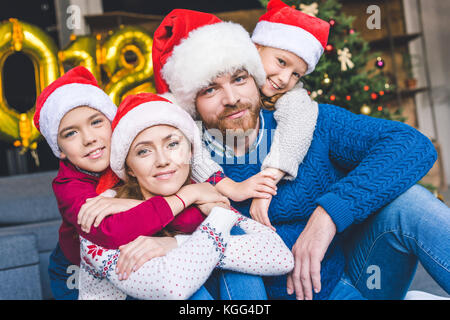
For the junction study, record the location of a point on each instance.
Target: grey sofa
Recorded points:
(29, 223)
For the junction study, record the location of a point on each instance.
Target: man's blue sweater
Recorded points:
(355, 165)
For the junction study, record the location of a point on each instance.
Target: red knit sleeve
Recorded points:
(115, 230)
(188, 220)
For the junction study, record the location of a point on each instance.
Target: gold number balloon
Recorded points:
(82, 50)
(20, 36)
(125, 77)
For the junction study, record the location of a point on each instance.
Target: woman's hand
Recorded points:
(259, 211)
(134, 254)
(96, 209)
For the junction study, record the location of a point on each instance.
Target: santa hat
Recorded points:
(192, 48)
(139, 112)
(76, 88)
(286, 28)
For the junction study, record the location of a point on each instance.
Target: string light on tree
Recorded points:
(329, 48)
(326, 80)
(365, 109)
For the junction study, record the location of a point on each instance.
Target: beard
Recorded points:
(239, 126)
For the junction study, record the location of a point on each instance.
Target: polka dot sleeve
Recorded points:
(259, 251)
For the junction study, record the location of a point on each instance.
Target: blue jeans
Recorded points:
(58, 270)
(345, 290)
(382, 253)
(229, 285)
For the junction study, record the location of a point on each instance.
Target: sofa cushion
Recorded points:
(27, 198)
(46, 233)
(19, 272)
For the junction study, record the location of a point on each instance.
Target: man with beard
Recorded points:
(356, 166)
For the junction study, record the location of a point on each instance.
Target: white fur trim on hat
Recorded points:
(142, 117)
(290, 38)
(66, 98)
(209, 51)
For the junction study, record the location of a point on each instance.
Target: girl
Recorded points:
(151, 151)
(290, 44)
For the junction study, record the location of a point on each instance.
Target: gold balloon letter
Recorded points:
(20, 36)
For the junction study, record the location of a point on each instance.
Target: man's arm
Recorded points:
(383, 159)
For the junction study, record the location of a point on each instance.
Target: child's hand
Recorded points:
(261, 185)
(259, 211)
(206, 208)
(201, 193)
(96, 209)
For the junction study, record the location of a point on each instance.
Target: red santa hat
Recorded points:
(139, 112)
(192, 48)
(76, 88)
(286, 28)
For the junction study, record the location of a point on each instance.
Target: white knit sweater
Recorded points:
(296, 115)
(181, 272)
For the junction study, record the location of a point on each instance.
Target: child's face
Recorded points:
(283, 69)
(159, 158)
(84, 138)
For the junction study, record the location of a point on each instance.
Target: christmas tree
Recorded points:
(349, 74)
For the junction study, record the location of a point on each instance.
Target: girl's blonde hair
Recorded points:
(268, 103)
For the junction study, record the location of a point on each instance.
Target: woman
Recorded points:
(151, 151)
